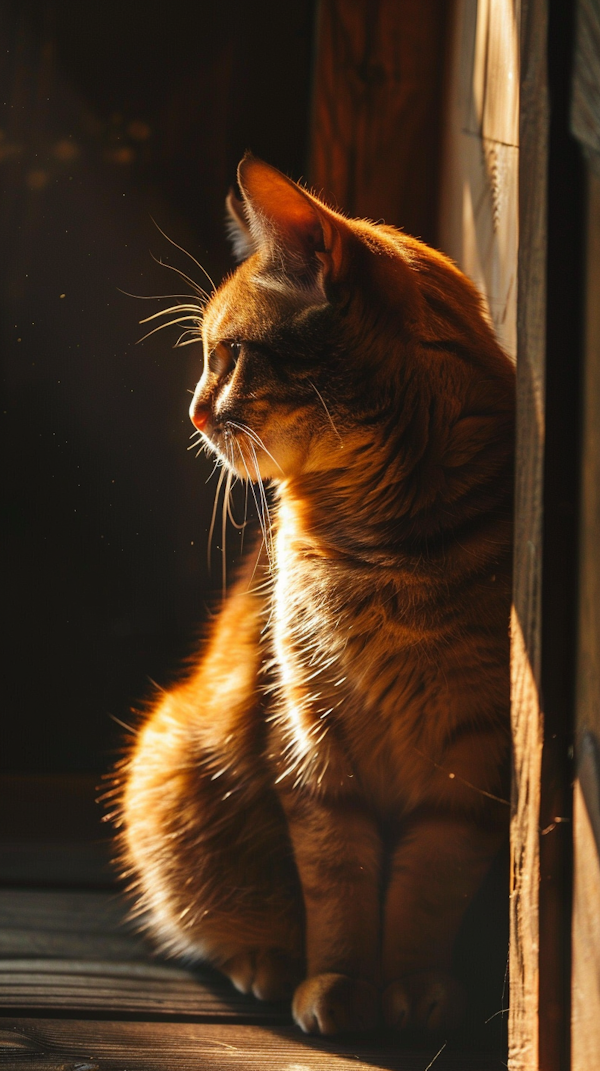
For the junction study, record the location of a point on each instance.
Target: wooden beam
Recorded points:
(564, 328)
(375, 131)
(586, 892)
(479, 190)
(585, 123)
(526, 618)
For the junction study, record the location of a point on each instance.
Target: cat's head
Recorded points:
(280, 334)
(313, 346)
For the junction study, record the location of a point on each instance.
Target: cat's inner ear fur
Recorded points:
(293, 228)
(236, 226)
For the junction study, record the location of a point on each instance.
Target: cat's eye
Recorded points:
(224, 357)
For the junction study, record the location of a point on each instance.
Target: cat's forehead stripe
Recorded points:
(215, 322)
(230, 318)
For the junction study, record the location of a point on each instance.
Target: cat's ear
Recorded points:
(236, 225)
(291, 225)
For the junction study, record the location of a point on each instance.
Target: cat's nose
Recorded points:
(199, 414)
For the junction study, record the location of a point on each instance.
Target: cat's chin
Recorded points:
(251, 457)
(246, 465)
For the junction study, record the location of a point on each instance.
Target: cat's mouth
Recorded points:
(238, 443)
(238, 446)
(244, 450)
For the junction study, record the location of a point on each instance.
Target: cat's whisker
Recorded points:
(214, 514)
(329, 416)
(182, 250)
(214, 468)
(189, 331)
(152, 297)
(236, 524)
(257, 439)
(264, 541)
(224, 513)
(259, 507)
(265, 505)
(179, 345)
(182, 274)
(174, 308)
(161, 327)
(245, 515)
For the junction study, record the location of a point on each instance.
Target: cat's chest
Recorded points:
(359, 705)
(314, 623)
(340, 679)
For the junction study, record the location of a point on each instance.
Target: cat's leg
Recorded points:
(435, 871)
(205, 838)
(338, 854)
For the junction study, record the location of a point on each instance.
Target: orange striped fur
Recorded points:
(315, 805)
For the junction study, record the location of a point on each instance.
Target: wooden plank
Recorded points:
(71, 951)
(126, 988)
(479, 192)
(585, 1035)
(494, 225)
(148, 1046)
(586, 893)
(585, 109)
(375, 129)
(67, 923)
(564, 336)
(526, 617)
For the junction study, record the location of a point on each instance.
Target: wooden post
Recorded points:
(509, 215)
(479, 224)
(585, 1044)
(494, 221)
(376, 109)
(526, 618)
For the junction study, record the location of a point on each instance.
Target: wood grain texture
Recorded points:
(585, 1037)
(147, 1046)
(479, 192)
(376, 109)
(30, 917)
(586, 913)
(494, 224)
(69, 951)
(585, 107)
(588, 661)
(526, 621)
(186, 1020)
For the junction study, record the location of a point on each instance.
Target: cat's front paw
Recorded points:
(335, 1004)
(266, 973)
(428, 1000)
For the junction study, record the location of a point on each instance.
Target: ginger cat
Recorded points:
(314, 806)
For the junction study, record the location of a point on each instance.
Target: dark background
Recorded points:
(113, 115)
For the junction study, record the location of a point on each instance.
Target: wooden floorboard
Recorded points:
(80, 990)
(122, 1046)
(74, 951)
